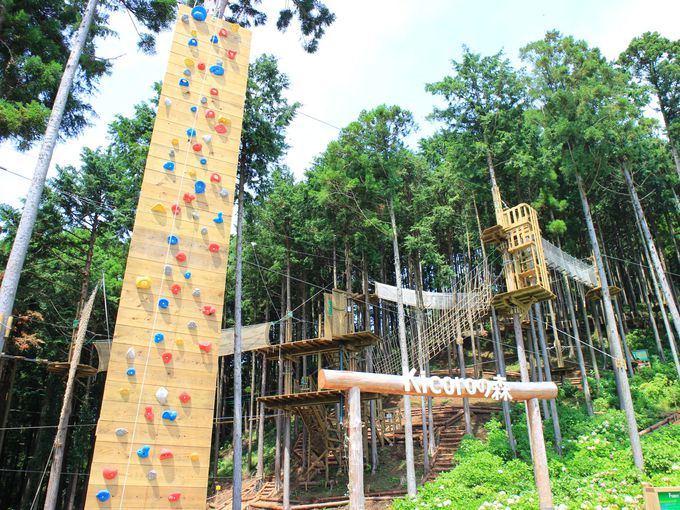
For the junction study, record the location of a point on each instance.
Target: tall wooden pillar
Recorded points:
(356, 455)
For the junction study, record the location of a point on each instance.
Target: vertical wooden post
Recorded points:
(286, 460)
(356, 455)
(500, 366)
(539, 456)
(260, 424)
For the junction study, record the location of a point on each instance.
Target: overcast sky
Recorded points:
(376, 52)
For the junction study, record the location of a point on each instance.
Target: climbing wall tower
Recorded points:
(153, 437)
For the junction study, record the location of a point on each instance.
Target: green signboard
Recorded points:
(669, 500)
(641, 355)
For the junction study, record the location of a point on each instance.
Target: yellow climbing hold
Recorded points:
(179, 341)
(191, 172)
(124, 392)
(218, 487)
(194, 456)
(193, 33)
(143, 282)
(188, 62)
(158, 207)
(175, 141)
(234, 27)
(225, 121)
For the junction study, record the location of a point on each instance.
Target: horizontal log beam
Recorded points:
(429, 386)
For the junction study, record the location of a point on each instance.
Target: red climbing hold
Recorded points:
(213, 247)
(167, 357)
(213, 92)
(231, 54)
(215, 177)
(209, 114)
(197, 147)
(221, 128)
(181, 256)
(109, 473)
(184, 397)
(175, 288)
(174, 496)
(223, 32)
(209, 310)
(205, 346)
(166, 454)
(201, 66)
(188, 198)
(148, 413)
(175, 209)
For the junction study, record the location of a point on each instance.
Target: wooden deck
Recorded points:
(310, 398)
(349, 341)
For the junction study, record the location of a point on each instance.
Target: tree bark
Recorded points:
(500, 366)
(260, 424)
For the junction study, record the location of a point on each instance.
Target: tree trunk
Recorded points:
(500, 367)
(369, 364)
(612, 334)
(589, 334)
(408, 426)
(652, 319)
(260, 424)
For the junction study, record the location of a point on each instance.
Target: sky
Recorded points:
(376, 52)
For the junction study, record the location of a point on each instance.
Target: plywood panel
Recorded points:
(139, 316)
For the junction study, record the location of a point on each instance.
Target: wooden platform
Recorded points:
(311, 398)
(494, 235)
(596, 293)
(61, 368)
(349, 341)
(522, 298)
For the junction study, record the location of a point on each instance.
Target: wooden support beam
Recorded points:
(356, 455)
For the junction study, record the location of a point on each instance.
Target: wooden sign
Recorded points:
(661, 498)
(153, 439)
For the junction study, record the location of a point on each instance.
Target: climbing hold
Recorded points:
(224, 192)
(124, 392)
(179, 341)
(207, 138)
(218, 219)
(173, 239)
(215, 177)
(194, 456)
(163, 303)
(194, 33)
(219, 62)
(213, 91)
(209, 114)
(204, 231)
(158, 337)
(196, 292)
(191, 132)
(174, 496)
(203, 161)
(181, 256)
(231, 54)
(192, 325)
(220, 128)
(183, 82)
(120, 432)
(194, 109)
(187, 275)
(151, 475)
(204, 100)
(188, 198)
(176, 209)
(217, 70)
(188, 62)
(175, 288)
(166, 357)
(214, 39)
(143, 282)
(166, 454)
(184, 397)
(175, 141)
(197, 147)
(199, 13)
(171, 153)
(195, 215)
(143, 452)
(218, 488)
(225, 121)
(131, 353)
(185, 18)
(205, 346)
(109, 473)
(223, 32)
(131, 372)
(167, 269)
(213, 247)
(169, 165)
(162, 396)
(148, 413)
(158, 207)
(209, 310)
(199, 187)
(186, 72)
(103, 495)
(168, 101)
(201, 66)
(169, 415)
(191, 173)
(193, 42)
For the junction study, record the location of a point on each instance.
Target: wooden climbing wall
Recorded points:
(173, 292)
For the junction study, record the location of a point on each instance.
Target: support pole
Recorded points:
(356, 454)
(286, 461)
(500, 366)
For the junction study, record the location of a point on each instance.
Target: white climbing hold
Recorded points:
(204, 231)
(207, 138)
(151, 475)
(168, 101)
(195, 215)
(120, 432)
(171, 153)
(224, 193)
(167, 269)
(131, 354)
(192, 325)
(162, 396)
(196, 292)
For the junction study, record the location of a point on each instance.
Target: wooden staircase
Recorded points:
(324, 443)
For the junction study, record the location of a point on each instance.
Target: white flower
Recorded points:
(500, 470)
(675, 467)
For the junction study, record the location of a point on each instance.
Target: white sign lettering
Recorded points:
(497, 389)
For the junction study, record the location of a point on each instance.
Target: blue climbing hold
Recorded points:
(173, 239)
(187, 275)
(204, 100)
(143, 452)
(199, 186)
(183, 82)
(199, 13)
(217, 70)
(169, 414)
(218, 219)
(186, 72)
(158, 337)
(214, 39)
(194, 109)
(203, 161)
(163, 303)
(103, 495)
(131, 372)
(193, 42)
(191, 132)
(169, 166)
